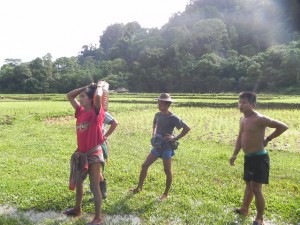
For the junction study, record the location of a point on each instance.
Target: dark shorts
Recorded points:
(257, 168)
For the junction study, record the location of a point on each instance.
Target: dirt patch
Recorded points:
(62, 120)
(32, 216)
(40, 218)
(6, 120)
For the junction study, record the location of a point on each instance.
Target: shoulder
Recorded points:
(175, 119)
(172, 115)
(156, 114)
(262, 119)
(79, 109)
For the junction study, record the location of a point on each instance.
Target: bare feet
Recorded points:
(72, 212)
(163, 197)
(98, 221)
(135, 190)
(258, 222)
(241, 212)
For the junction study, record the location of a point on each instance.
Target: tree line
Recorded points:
(213, 46)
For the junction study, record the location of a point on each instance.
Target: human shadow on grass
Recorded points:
(123, 206)
(56, 204)
(146, 207)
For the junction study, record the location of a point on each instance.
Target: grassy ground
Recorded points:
(38, 137)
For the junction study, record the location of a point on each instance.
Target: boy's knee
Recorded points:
(168, 171)
(79, 184)
(94, 186)
(256, 189)
(145, 166)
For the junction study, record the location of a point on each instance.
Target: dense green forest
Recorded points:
(212, 46)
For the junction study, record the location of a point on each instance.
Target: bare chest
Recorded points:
(251, 126)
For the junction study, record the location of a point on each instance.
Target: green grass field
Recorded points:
(37, 134)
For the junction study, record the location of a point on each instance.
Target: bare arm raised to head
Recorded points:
(98, 96)
(72, 96)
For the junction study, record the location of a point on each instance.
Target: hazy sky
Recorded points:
(33, 28)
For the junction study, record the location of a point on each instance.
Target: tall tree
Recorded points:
(111, 36)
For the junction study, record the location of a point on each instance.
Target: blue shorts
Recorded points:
(167, 154)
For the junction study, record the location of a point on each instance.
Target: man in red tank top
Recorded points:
(88, 157)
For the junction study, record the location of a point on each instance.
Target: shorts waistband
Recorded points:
(262, 152)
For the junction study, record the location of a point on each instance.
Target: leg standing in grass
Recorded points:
(94, 182)
(167, 168)
(252, 140)
(148, 162)
(163, 142)
(88, 157)
(248, 196)
(112, 123)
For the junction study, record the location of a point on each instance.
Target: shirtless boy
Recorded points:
(252, 140)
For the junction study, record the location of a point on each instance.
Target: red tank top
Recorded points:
(89, 128)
